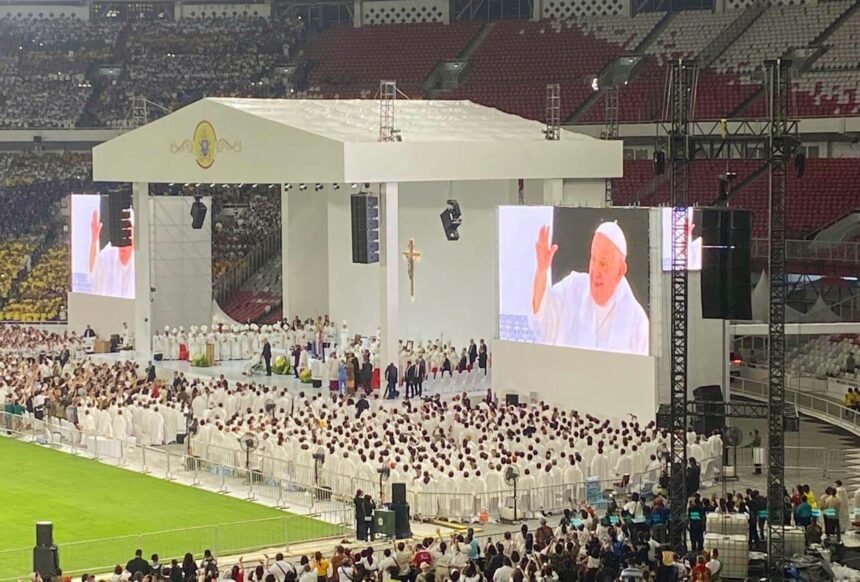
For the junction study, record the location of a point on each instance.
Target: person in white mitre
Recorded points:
(595, 310)
(344, 338)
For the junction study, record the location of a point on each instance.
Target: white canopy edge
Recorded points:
(335, 141)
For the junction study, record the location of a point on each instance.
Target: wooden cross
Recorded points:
(412, 256)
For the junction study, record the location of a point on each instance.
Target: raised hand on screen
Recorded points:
(544, 252)
(95, 226)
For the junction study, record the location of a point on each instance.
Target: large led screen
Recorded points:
(98, 267)
(694, 239)
(575, 277)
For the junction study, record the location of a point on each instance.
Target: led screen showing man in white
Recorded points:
(575, 277)
(98, 267)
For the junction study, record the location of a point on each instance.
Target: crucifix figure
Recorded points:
(411, 256)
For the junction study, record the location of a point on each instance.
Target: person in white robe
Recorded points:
(120, 426)
(595, 310)
(344, 343)
(89, 425)
(844, 513)
(600, 467)
(104, 422)
(156, 427)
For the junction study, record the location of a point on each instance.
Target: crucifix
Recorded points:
(412, 256)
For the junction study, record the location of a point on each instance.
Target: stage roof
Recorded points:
(218, 140)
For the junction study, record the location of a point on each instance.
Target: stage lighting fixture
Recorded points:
(335, 186)
(452, 218)
(288, 187)
(595, 84)
(303, 187)
(659, 163)
(198, 213)
(318, 187)
(354, 186)
(723, 188)
(799, 164)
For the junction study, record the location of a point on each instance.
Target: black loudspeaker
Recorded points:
(709, 402)
(364, 209)
(726, 262)
(44, 534)
(198, 213)
(398, 493)
(119, 223)
(452, 218)
(46, 561)
(799, 164)
(659, 163)
(512, 399)
(401, 521)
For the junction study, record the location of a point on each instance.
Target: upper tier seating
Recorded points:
(778, 30)
(350, 62)
(687, 33)
(515, 62)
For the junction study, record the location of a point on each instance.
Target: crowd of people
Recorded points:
(45, 62)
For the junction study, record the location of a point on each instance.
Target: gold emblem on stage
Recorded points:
(205, 145)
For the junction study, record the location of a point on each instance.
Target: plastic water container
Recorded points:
(727, 523)
(795, 541)
(734, 553)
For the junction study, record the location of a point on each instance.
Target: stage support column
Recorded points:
(389, 259)
(285, 251)
(142, 270)
(553, 192)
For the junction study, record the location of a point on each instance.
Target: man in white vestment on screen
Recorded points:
(111, 269)
(595, 310)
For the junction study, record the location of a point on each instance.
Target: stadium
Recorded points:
(429, 290)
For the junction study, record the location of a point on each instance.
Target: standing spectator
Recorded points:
(137, 564)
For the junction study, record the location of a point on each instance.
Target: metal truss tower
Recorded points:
(680, 101)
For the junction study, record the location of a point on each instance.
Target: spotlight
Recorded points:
(318, 187)
(303, 187)
(354, 186)
(335, 186)
(595, 84)
(451, 220)
(198, 213)
(724, 189)
(288, 187)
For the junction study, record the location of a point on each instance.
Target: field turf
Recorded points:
(87, 500)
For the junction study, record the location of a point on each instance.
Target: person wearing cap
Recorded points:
(595, 310)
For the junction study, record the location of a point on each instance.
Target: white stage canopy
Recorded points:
(282, 141)
(227, 141)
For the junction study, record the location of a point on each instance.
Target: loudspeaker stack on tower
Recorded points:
(726, 258)
(119, 221)
(401, 511)
(46, 558)
(365, 228)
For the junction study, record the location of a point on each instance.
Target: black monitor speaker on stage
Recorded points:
(46, 557)
(711, 407)
(726, 264)
(512, 399)
(398, 493)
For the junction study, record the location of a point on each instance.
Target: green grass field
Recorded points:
(87, 501)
